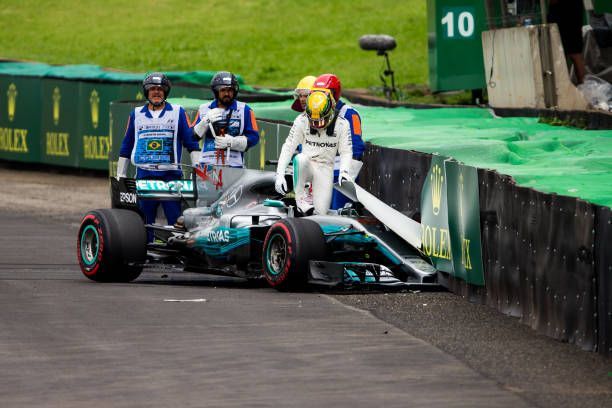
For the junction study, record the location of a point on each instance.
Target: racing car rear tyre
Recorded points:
(289, 246)
(112, 245)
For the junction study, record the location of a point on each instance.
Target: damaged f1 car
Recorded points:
(235, 223)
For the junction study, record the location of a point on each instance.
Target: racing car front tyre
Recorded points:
(289, 246)
(112, 245)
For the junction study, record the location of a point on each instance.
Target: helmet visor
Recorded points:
(319, 123)
(301, 93)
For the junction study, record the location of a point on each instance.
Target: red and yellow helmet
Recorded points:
(320, 108)
(331, 82)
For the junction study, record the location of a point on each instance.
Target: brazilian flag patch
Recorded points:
(154, 145)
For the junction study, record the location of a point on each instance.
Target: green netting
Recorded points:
(548, 158)
(552, 159)
(95, 72)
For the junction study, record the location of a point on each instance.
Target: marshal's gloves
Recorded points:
(215, 115)
(238, 143)
(343, 177)
(195, 157)
(222, 142)
(280, 184)
(212, 116)
(200, 128)
(122, 167)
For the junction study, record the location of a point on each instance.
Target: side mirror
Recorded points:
(273, 203)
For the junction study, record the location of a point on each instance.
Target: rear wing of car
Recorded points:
(126, 192)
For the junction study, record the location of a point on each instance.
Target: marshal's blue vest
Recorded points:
(235, 128)
(155, 140)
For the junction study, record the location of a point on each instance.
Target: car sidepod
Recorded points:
(223, 244)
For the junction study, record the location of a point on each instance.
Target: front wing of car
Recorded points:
(351, 275)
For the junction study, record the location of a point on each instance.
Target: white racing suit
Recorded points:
(315, 164)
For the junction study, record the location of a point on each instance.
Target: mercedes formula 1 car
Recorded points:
(235, 223)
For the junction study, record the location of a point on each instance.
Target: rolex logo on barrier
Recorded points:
(94, 103)
(437, 181)
(12, 101)
(56, 105)
(139, 96)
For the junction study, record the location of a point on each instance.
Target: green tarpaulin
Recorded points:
(95, 72)
(552, 159)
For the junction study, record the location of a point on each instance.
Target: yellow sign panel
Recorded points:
(436, 242)
(12, 101)
(437, 180)
(57, 96)
(262, 149)
(94, 102)
(14, 140)
(96, 147)
(57, 144)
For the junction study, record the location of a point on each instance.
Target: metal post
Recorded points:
(389, 71)
(548, 71)
(491, 24)
(546, 57)
(544, 12)
(503, 12)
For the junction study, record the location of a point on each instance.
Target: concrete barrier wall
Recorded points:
(525, 67)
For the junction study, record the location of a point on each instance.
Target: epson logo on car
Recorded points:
(129, 198)
(218, 236)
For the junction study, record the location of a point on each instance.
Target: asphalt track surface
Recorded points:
(177, 339)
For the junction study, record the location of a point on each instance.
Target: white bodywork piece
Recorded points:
(407, 228)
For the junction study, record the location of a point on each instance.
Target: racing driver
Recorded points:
(332, 82)
(322, 134)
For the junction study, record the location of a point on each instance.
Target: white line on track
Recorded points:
(185, 300)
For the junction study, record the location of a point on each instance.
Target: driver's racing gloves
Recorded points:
(343, 177)
(280, 184)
